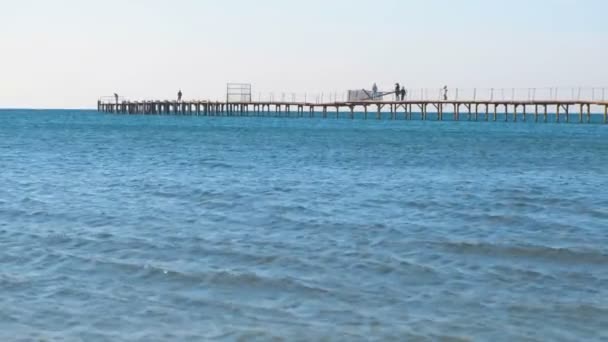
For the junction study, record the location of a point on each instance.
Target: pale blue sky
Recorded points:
(67, 53)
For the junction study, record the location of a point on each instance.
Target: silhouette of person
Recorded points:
(445, 93)
(403, 93)
(397, 91)
(374, 91)
(116, 97)
(179, 95)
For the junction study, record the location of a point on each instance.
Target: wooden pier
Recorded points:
(539, 111)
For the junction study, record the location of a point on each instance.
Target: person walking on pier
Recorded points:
(397, 91)
(403, 93)
(445, 93)
(179, 96)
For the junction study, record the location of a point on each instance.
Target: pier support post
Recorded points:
(487, 110)
(209, 108)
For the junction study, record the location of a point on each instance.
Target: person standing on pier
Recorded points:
(397, 91)
(374, 91)
(116, 97)
(445, 93)
(403, 93)
(179, 96)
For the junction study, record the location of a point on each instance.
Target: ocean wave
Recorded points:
(545, 253)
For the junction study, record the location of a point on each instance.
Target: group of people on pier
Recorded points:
(401, 92)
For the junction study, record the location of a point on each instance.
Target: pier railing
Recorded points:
(595, 94)
(453, 94)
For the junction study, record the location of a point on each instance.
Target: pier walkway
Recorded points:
(544, 111)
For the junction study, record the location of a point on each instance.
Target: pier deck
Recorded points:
(474, 110)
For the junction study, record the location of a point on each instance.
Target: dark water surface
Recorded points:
(141, 228)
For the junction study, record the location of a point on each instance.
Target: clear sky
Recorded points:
(67, 53)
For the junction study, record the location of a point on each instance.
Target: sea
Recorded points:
(185, 228)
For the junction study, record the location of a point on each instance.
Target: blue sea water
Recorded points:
(165, 228)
